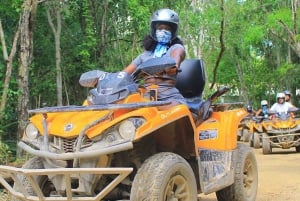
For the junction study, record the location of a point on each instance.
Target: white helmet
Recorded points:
(165, 16)
(280, 95)
(263, 102)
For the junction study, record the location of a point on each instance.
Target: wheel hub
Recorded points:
(248, 177)
(177, 189)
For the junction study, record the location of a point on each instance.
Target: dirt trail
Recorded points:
(279, 176)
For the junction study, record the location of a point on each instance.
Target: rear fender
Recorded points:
(220, 130)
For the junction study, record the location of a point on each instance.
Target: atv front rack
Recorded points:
(11, 173)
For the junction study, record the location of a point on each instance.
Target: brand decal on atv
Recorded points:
(167, 114)
(208, 134)
(68, 127)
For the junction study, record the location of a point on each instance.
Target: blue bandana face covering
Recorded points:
(163, 37)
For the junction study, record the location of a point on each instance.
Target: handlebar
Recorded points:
(218, 93)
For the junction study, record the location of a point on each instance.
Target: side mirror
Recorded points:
(90, 78)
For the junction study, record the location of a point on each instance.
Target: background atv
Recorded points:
(120, 146)
(283, 131)
(256, 130)
(244, 134)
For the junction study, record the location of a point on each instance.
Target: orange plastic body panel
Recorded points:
(157, 119)
(274, 123)
(224, 124)
(277, 123)
(255, 127)
(224, 127)
(56, 122)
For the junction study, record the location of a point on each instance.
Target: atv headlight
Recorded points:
(127, 129)
(31, 132)
(122, 131)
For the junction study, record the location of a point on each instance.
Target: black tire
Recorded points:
(164, 176)
(43, 181)
(245, 183)
(246, 135)
(266, 145)
(256, 140)
(297, 148)
(251, 140)
(239, 135)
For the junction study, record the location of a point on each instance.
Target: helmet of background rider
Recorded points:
(264, 107)
(249, 109)
(280, 96)
(287, 92)
(263, 102)
(287, 95)
(164, 16)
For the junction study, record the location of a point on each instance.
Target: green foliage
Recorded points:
(254, 35)
(283, 14)
(5, 154)
(282, 70)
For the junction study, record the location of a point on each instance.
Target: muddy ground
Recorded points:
(279, 176)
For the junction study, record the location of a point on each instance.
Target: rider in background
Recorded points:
(263, 111)
(250, 110)
(288, 95)
(281, 106)
(162, 42)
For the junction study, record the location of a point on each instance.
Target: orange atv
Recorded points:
(120, 146)
(244, 134)
(283, 131)
(256, 129)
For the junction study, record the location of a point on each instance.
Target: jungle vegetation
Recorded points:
(253, 46)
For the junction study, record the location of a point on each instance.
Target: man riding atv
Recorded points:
(281, 130)
(281, 106)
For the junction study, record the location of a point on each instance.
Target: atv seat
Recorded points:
(190, 82)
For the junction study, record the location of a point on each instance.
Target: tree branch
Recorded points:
(50, 19)
(9, 61)
(222, 43)
(290, 33)
(41, 1)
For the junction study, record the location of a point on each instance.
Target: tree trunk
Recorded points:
(103, 28)
(56, 10)
(239, 70)
(26, 50)
(8, 60)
